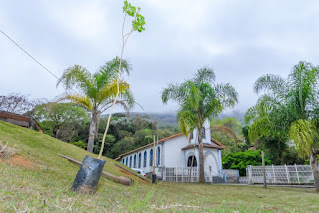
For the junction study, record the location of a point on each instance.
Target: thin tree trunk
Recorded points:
(315, 170)
(201, 157)
(92, 130)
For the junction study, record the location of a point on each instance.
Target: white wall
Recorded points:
(212, 158)
(173, 154)
(148, 168)
(207, 139)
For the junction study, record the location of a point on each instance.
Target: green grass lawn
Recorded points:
(45, 186)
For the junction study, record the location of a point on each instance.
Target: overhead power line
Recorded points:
(29, 54)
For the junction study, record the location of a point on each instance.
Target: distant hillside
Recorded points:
(162, 119)
(233, 114)
(169, 119)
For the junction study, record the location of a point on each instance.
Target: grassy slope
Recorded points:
(46, 187)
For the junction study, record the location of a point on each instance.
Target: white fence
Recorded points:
(186, 174)
(180, 174)
(286, 174)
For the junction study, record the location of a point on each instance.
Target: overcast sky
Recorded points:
(240, 40)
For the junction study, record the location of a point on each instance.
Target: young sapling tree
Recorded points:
(138, 24)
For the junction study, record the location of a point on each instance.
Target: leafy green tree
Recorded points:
(291, 109)
(124, 145)
(61, 120)
(240, 160)
(97, 92)
(199, 99)
(266, 131)
(228, 127)
(110, 141)
(230, 122)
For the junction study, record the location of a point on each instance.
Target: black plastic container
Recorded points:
(89, 175)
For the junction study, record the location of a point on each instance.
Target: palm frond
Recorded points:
(274, 84)
(78, 99)
(125, 99)
(260, 128)
(172, 92)
(205, 75)
(305, 136)
(109, 71)
(187, 120)
(227, 94)
(110, 91)
(77, 76)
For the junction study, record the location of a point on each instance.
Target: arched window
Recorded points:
(123, 160)
(139, 160)
(126, 161)
(151, 157)
(134, 164)
(158, 158)
(189, 161)
(131, 162)
(192, 136)
(203, 133)
(145, 157)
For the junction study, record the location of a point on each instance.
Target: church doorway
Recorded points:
(190, 160)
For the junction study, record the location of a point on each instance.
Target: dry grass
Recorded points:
(45, 186)
(6, 151)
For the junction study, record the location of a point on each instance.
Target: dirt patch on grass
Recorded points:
(10, 155)
(19, 160)
(133, 177)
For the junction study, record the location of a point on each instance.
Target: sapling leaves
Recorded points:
(139, 21)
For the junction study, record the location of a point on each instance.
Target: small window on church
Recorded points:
(203, 133)
(192, 136)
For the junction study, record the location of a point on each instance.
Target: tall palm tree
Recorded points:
(293, 110)
(96, 92)
(199, 99)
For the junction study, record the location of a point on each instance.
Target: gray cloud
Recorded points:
(241, 40)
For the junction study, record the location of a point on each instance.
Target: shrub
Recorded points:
(240, 160)
(80, 144)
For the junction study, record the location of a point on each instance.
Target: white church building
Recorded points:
(172, 156)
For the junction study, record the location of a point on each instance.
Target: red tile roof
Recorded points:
(205, 145)
(151, 144)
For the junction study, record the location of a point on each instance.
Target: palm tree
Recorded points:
(199, 99)
(290, 107)
(96, 92)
